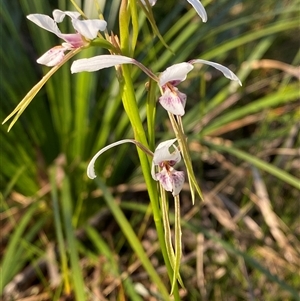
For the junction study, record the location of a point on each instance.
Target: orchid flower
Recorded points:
(170, 179)
(172, 99)
(86, 30)
(199, 8)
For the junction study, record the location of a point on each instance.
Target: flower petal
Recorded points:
(90, 169)
(227, 73)
(100, 62)
(162, 152)
(59, 15)
(173, 101)
(178, 181)
(73, 39)
(165, 180)
(44, 22)
(53, 56)
(199, 9)
(177, 72)
(171, 180)
(151, 2)
(89, 28)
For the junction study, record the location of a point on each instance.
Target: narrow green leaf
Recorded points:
(13, 245)
(271, 169)
(76, 276)
(59, 232)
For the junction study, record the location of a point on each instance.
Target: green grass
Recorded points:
(244, 147)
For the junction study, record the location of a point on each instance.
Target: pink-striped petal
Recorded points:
(173, 101)
(165, 180)
(171, 180)
(178, 181)
(53, 56)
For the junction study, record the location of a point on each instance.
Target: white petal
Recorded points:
(153, 173)
(151, 2)
(199, 9)
(89, 28)
(165, 180)
(162, 152)
(90, 169)
(171, 180)
(173, 101)
(227, 73)
(44, 22)
(178, 181)
(53, 56)
(177, 72)
(59, 15)
(100, 62)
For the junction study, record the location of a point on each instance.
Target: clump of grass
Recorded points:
(64, 236)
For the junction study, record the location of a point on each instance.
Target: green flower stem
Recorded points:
(123, 27)
(151, 112)
(178, 247)
(135, 25)
(132, 111)
(131, 108)
(173, 257)
(181, 138)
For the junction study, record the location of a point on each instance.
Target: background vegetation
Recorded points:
(62, 235)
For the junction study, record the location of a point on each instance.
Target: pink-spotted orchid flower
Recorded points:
(86, 30)
(170, 179)
(171, 99)
(197, 5)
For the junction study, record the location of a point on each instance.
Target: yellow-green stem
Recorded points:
(131, 108)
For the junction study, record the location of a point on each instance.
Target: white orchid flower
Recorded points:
(170, 179)
(172, 99)
(86, 30)
(199, 8)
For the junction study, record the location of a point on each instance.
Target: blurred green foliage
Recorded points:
(46, 194)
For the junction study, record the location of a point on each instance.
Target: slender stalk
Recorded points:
(59, 234)
(132, 110)
(178, 247)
